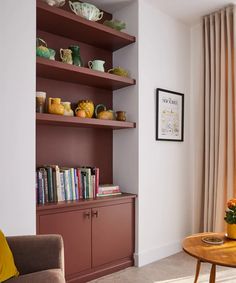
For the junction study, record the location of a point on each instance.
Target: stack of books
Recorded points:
(108, 190)
(54, 183)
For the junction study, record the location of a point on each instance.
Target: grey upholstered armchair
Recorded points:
(39, 259)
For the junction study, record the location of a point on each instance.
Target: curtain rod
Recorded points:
(229, 7)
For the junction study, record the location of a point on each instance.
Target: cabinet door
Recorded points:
(75, 228)
(112, 233)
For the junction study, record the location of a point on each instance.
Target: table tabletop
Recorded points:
(224, 254)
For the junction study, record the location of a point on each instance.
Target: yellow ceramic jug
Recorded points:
(55, 107)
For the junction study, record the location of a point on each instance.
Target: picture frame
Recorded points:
(169, 115)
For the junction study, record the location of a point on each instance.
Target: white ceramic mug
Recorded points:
(97, 65)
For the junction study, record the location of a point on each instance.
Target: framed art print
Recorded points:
(169, 115)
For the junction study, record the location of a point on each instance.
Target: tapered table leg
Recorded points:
(213, 274)
(197, 270)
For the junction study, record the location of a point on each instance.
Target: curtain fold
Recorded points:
(219, 30)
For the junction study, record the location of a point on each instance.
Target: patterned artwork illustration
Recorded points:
(169, 115)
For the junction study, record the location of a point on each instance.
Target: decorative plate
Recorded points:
(212, 240)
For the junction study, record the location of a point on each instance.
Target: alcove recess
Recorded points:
(94, 244)
(62, 143)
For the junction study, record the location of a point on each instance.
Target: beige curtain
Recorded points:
(219, 31)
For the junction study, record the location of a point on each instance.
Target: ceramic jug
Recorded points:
(55, 106)
(76, 55)
(120, 115)
(67, 109)
(97, 65)
(66, 56)
(42, 49)
(52, 54)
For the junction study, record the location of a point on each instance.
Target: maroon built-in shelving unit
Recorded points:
(94, 245)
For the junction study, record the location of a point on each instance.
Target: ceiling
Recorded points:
(187, 11)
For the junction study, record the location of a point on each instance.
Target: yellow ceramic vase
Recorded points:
(231, 231)
(55, 107)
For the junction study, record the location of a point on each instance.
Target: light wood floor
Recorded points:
(179, 268)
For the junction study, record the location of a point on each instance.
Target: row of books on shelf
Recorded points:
(54, 183)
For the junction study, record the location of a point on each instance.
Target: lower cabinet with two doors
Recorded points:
(98, 234)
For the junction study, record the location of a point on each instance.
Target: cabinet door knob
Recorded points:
(95, 213)
(87, 214)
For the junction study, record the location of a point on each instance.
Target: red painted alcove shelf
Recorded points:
(67, 24)
(56, 70)
(57, 120)
(72, 142)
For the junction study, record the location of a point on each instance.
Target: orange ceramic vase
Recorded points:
(231, 231)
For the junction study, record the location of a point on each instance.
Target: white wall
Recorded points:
(160, 172)
(17, 123)
(165, 192)
(125, 142)
(125, 146)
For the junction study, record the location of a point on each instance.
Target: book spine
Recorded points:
(67, 185)
(41, 199)
(45, 178)
(107, 195)
(79, 183)
(62, 186)
(54, 180)
(72, 184)
(83, 177)
(93, 185)
(58, 184)
(44, 184)
(107, 188)
(96, 181)
(76, 184)
(93, 181)
(109, 192)
(36, 187)
(90, 189)
(50, 184)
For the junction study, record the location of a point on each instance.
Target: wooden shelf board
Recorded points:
(56, 70)
(63, 204)
(58, 120)
(67, 24)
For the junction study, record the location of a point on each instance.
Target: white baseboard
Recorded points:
(149, 256)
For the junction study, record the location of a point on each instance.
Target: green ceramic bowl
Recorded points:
(115, 24)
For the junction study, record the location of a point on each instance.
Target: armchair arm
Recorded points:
(36, 253)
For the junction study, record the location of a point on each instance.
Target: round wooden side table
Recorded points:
(224, 254)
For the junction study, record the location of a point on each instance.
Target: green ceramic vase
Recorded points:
(77, 61)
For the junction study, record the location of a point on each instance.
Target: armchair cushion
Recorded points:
(45, 276)
(37, 253)
(7, 265)
(39, 259)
